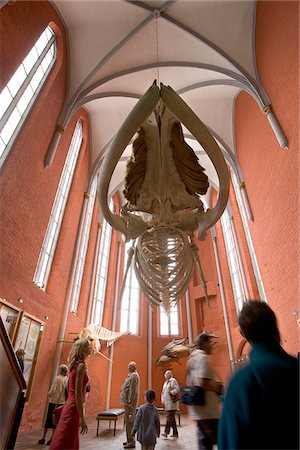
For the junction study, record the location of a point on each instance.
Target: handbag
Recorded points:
(193, 395)
(175, 397)
(56, 414)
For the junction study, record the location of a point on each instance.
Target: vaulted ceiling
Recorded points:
(204, 50)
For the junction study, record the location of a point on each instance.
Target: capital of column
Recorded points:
(267, 109)
(59, 128)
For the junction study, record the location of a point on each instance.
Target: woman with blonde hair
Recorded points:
(66, 435)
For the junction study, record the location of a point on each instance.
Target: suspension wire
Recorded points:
(156, 32)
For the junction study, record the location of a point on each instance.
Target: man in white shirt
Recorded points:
(200, 373)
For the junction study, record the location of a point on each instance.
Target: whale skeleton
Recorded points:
(163, 184)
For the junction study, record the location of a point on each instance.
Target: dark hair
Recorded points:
(63, 370)
(204, 337)
(258, 322)
(150, 395)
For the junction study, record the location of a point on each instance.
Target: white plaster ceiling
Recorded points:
(202, 49)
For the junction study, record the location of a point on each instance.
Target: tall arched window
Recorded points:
(234, 261)
(101, 272)
(84, 239)
(130, 300)
(169, 323)
(23, 88)
(49, 245)
(255, 266)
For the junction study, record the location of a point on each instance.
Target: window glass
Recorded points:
(234, 262)
(248, 237)
(22, 89)
(131, 298)
(169, 323)
(9, 317)
(28, 338)
(48, 248)
(101, 272)
(84, 238)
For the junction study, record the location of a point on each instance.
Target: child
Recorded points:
(147, 424)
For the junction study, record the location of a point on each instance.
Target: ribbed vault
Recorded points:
(204, 50)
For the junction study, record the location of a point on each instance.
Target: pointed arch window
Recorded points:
(130, 305)
(23, 88)
(101, 272)
(84, 239)
(49, 245)
(234, 261)
(169, 323)
(242, 210)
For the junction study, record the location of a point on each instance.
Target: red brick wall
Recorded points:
(271, 174)
(28, 190)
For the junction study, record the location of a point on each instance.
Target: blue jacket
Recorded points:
(261, 407)
(147, 424)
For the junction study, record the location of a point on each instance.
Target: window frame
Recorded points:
(13, 105)
(104, 245)
(130, 280)
(251, 249)
(84, 241)
(44, 264)
(162, 313)
(235, 268)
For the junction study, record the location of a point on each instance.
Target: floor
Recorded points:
(107, 441)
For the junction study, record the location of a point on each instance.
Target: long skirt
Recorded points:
(48, 421)
(66, 434)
